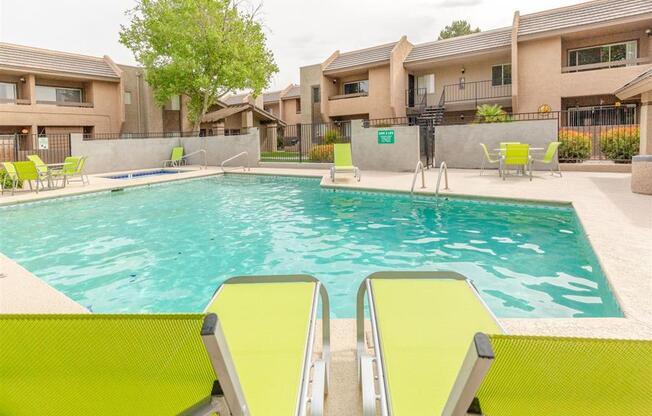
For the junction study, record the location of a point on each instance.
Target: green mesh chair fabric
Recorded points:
(26, 170)
(550, 152)
(10, 169)
(70, 165)
(177, 154)
(343, 155)
(517, 154)
(488, 155)
(102, 364)
(40, 165)
(550, 376)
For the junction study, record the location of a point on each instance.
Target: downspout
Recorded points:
(515, 79)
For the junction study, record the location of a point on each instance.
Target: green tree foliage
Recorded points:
(457, 28)
(201, 49)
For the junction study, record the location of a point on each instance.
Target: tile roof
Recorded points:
(592, 12)
(640, 78)
(272, 96)
(16, 56)
(293, 92)
(235, 99)
(367, 56)
(476, 42)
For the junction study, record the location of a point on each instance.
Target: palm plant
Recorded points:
(491, 113)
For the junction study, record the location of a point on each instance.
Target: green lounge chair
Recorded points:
(12, 175)
(512, 375)
(21, 172)
(42, 168)
(421, 326)
(259, 350)
(517, 155)
(176, 158)
(73, 166)
(491, 158)
(549, 157)
(343, 161)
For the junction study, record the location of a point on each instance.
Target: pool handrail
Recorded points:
(172, 163)
(245, 167)
(423, 176)
(443, 168)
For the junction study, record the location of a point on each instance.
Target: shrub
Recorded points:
(331, 136)
(620, 143)
(7, 182)
(575, 145)
(491, 114)
(322, 153)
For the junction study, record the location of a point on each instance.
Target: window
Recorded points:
(174, 103)
(357, 87)
(58, 94)
(603, 53)
(127, 98)
(7, 91)
(501, 75)
(316, 94)
(298, 106)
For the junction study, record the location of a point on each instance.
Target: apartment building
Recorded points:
(567, 58)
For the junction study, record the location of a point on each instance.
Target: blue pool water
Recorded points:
(166, 248)
(133, 175)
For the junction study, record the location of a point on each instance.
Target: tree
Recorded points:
(457, 28)
(201, 49)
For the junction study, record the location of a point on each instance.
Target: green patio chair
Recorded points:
(343, 161)
(176, 158)
(512, 375)
(450, 370)
(12, 178)
(25, 172)
(256, 358)
(549, 157)
(42, 168)
(517, 155)
(73, 166)
(491, 158)
(421, 326)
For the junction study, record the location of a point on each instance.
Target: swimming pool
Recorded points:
(166, 247)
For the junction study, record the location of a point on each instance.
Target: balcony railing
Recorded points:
(65, 103)
(345, 96)
(19, 101)
(467, 92)
(474, 92)
(607, 65)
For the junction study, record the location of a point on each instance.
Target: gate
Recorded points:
(427, 144)
(303, 142)
(51, 148)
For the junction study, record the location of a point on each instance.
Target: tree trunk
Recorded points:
(204, 109)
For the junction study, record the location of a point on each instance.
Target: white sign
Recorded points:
(43, 143)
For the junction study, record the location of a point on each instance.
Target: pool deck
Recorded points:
(618, 224)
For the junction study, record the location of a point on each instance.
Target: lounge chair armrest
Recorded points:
(318, 388)
(368, 385)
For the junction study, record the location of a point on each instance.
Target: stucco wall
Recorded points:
(130, 154)
(290, 115)
(398, 77)
(459, 145)
(309, 76)
(539, 71)
(401, 156)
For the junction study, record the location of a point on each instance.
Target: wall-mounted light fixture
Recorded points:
(22, 79)
(648, 32)
(463, 70)
(24, 131)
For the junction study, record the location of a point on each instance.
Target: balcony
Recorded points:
(599, 79)
(607, 65)
(462, 96)
(348, 104)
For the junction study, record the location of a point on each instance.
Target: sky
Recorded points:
(300, 32)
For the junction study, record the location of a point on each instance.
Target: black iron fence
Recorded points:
(475, 92)
(51, 148)
(303, 142)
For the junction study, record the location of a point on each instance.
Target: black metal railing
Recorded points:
(476, 92)
(51, 148)
(390, 122)
(303, 142)
(420, 98)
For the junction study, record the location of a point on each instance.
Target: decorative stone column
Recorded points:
(642, 164)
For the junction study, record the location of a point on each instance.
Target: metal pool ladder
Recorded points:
(245, 167)
(442, 169)
(203, 153)
(414, 178)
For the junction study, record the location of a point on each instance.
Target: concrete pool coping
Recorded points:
(618, 225)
